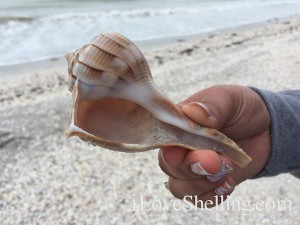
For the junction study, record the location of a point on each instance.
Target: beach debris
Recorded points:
(160, 59)
(117, 105)
(187, 51)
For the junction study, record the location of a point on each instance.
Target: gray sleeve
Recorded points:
(284, 109)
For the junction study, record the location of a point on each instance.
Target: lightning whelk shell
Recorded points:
(117, 105)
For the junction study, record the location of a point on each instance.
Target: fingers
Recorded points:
(202, 173)
(174, 155)
(200, 193)
(228, 108)
(217, 107)
(179, 188)
(200, 113)
(185, 164)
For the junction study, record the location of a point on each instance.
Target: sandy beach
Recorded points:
(46, 178)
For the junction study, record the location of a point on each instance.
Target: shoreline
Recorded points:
(28, 81)
(145, 46)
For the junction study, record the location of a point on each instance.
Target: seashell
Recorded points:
(117, 105)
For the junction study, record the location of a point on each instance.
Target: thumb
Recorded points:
(200, 113)
(215, 107)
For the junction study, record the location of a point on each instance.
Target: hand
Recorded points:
(238, 112)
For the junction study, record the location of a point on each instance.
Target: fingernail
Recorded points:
(162, 155)
(218, 176)
(198, 169)
(203, 107)
(224, 188)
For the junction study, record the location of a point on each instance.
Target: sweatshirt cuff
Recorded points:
(283, 113)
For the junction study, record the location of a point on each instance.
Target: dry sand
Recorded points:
(46, 178)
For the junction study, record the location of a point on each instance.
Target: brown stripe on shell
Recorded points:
(118, 50)
(93, 76)
(99, 59)
(129, 45)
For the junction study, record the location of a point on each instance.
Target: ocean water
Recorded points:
(32, 30)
